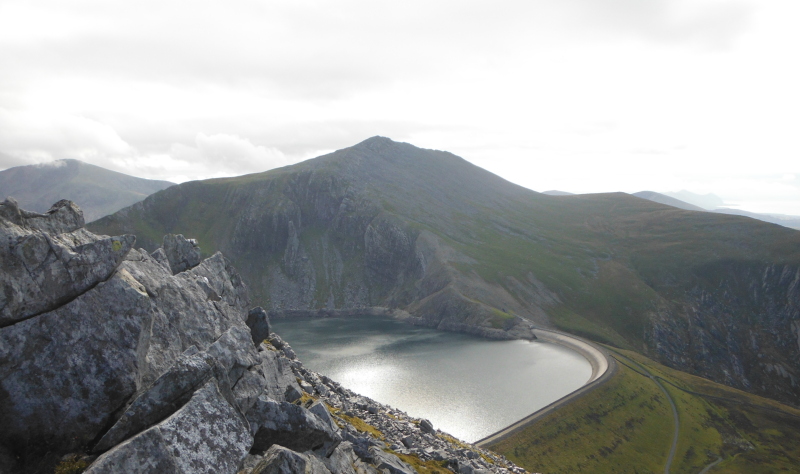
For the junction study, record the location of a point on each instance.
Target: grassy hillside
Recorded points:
(388, 224)
(627, 426)
(98, 191)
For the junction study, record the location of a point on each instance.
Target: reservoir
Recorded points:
(467, 386)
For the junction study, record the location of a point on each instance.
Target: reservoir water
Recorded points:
(465, 385)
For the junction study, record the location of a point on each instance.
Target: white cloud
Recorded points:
(582, 95)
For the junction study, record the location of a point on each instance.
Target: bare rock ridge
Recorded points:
(120, 360)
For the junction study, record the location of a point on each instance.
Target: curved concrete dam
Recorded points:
(467, 386)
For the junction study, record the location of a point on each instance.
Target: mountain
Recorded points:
(669, 201)
(706, 201)
(555, 192)
(113, 360)
(98, 191)
(388, 224)
(792, 222)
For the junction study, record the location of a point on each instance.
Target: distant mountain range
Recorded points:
(392, 225)
(792, 222)
(96, 190)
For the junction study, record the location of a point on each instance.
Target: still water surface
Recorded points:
(465, 385)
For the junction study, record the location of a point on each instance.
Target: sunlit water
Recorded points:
(467, 386)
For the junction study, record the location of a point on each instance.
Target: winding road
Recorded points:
(675, 418)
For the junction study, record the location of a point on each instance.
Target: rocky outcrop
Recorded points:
(156, 365)
(49, 259)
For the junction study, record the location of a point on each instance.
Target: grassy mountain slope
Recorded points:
(386, 223)
(98, 191)
(627, 426)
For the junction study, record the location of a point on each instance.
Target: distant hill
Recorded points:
(706, 201)
(792, 222)
(555, 192)
(97, 191)
(388, 224)
(669, 201)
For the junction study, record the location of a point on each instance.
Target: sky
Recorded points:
(574, 95)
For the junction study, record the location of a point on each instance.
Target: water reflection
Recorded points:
(467, 386)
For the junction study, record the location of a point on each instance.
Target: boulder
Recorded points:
(390, 462)
(207, 435)
(426, 426)
(279, 460)
(290, 426)
(281, 383)
(182, 253)
(42, 271)
(318, 408)
(258, 322)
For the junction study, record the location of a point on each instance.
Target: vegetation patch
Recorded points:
(626, 425)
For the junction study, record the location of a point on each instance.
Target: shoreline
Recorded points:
(603, 368)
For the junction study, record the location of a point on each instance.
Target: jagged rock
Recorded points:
(362, 444)
(426, 426)
(390, 462)
(280, 381)
(226, 360)
(258, 322)
(65, 374)
(318, 408)
(291, 426)
(279, 460)
(341, 459)
(182, 253)
(168, 393)
(42, 271)
(207, 435)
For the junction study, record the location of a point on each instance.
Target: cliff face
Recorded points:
(386, 224)
(131, 361)
(740, 327)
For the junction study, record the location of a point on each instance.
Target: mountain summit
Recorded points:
(391, 225)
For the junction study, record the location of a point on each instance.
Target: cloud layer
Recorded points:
(582, 95)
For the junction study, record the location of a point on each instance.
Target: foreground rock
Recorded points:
(126, 361)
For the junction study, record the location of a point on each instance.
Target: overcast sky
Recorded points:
(575, 95)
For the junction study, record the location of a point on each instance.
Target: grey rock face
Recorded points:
(182, 253)
(279, 460)
(390, 462)
(43, 270)
(291, 426)
(66, 372)
(207, 435)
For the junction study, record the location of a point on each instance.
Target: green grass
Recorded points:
(626, 426)
(619, 427)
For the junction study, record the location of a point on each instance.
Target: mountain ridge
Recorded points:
(97, 190)
(388, 224)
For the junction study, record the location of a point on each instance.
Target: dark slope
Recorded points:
(98, 191)
(388, 224)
